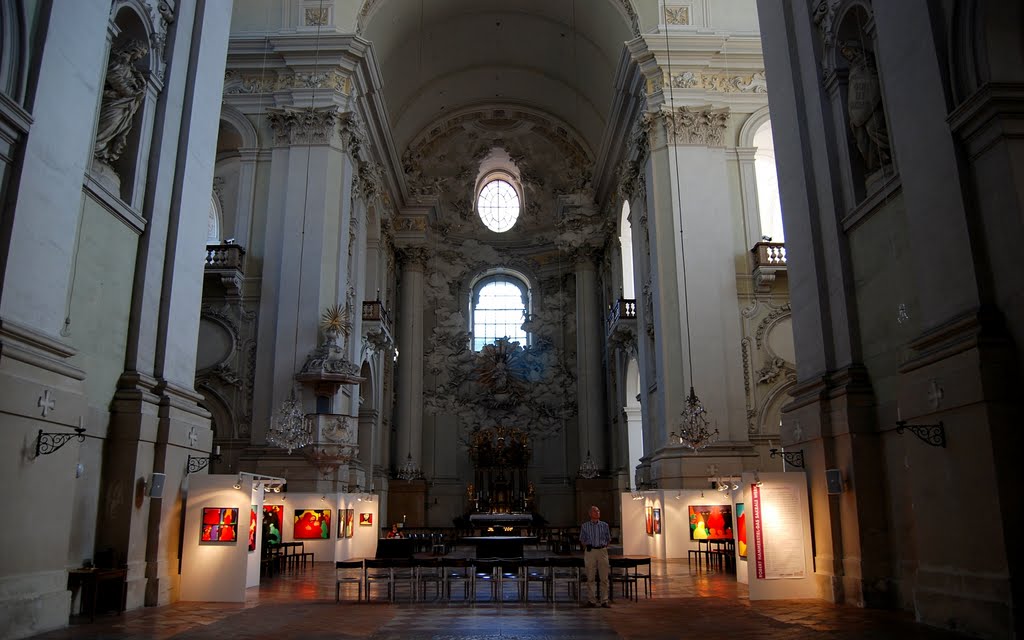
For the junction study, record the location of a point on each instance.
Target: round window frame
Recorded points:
(487, 180)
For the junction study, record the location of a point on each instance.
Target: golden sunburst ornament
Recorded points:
(336, 319)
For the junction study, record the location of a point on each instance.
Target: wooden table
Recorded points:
(92, 582)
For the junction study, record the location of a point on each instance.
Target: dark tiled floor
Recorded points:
(683, 605)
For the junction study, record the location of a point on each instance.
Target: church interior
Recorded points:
(484, 264)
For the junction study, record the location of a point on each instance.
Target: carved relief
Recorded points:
(241, 83)
(701, 126)
(316, 17)
(302, 126)
(677, 15)
(768, 320)
(719, 82)
(233, 379)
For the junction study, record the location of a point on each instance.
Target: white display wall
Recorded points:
(780, 562)
(362, 544)
(673, 539)
(216, 570)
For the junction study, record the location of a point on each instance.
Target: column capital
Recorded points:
(302, 125)
(413, 258)
(695, 125)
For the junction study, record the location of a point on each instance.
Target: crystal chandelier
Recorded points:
(588, 468)
(694, 427)
(289, 428)
(409, 471)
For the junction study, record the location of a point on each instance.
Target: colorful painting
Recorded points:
(649, 520)
(657, 521)
(741, 530)
(345, 521)
(365, 519)
(711, 522)
(273, 518)
(312, 524)
(220, 524)
(252, 528)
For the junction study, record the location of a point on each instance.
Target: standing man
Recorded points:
(595, 537)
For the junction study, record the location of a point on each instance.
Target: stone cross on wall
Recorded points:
(46, 402)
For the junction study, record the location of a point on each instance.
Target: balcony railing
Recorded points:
(623, 309)
(224, 256)
(769, 254)
(374, 311)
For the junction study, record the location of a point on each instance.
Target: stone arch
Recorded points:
(13, 50)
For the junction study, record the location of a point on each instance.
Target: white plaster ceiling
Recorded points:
(441, 57)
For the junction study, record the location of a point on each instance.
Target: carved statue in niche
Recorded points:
(864, 104)
(122, 94)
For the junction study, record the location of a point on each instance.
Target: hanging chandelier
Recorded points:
(588, 468)
(409, 471)
(694, 427)
(290, 428)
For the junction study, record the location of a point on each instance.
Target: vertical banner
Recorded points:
(755, 491)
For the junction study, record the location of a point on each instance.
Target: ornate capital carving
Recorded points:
(413, 257)
(700, 126)
(302, 126)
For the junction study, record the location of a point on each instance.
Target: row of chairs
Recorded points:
(441, 575)
(720, 557)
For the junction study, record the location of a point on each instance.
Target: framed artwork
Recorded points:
(350, 520)
(365, 519)
(273, 517)
(252, 528)
(649, 520)
(741, 530)
(657, 521)
(312, 524)
(345, 522)
(220, 524)
(710, 521)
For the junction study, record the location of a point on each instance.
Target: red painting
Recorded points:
(345, 518)
(252, 528)
(365, 519)
(219, 524)
(741, 530)
(649, 520)
(711, 522)
(312, 524)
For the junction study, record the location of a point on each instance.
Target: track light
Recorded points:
(238, 483)
(735, 485)
(757, 479)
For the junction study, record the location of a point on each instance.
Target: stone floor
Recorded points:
(688, 605)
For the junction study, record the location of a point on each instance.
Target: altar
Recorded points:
(499, 546)
(501, 524)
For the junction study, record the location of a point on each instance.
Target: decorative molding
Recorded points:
(302, 126)
(677, 15)
(774, 316)
(697, 126)
(241, 83)
(719, 82)
(316, 17)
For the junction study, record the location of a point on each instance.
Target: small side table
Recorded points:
(92, 582)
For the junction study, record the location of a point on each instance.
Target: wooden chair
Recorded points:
(429, 571)
(458, 570)
(348, 572)
(378, 570)
(622, 572)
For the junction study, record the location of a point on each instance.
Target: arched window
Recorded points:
(768, 203)
(626, 246)
(500, 306)
(213, 221)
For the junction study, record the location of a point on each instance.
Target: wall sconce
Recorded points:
(198, 463)
(933, 434)
(792, 458)
(47, 443)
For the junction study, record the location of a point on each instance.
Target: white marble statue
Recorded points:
(122, 94)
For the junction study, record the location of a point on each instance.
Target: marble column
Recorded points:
(409, 403)
(589, 349)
